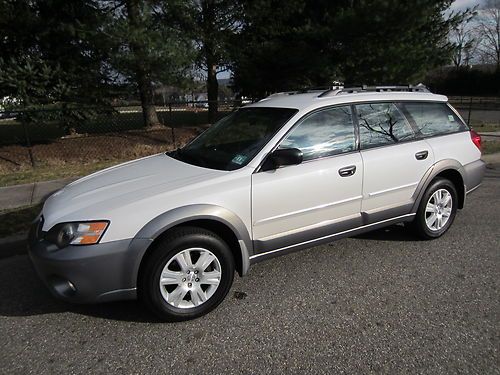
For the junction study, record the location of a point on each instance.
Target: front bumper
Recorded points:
(87, 274)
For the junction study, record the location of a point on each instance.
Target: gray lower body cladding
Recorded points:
(87, 274)
(473, 174)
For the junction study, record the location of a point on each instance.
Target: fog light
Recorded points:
(63, 287)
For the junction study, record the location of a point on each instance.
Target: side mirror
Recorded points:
(279, 158)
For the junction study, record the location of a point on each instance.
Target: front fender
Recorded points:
(169, 219)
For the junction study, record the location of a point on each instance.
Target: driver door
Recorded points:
(317, 198)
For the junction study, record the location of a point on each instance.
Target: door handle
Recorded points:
(347, 171)
(421, 155)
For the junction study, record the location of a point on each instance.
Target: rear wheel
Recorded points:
(437, 209)
(187, 275)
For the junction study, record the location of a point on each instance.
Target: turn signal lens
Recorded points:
(86, 233)
(476, 139)
(89, 233)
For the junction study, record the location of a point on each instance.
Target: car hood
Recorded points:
(119, 185)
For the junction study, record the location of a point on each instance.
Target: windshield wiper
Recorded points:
(181, 155)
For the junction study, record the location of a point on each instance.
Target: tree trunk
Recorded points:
(146, 93)
(209, 33)
(213, 92)
(142, 75)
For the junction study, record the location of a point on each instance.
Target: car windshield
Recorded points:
(233, 141)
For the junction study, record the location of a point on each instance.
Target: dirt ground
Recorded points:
(94, 148)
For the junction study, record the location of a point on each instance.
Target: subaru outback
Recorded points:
(289, 172)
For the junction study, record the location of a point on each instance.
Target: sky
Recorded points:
(463, 4)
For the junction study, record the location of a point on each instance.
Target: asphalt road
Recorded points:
(380, 303)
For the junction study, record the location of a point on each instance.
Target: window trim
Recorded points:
(297, 123)
(410, 119)
(356, 125)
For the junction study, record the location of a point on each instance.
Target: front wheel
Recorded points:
(437, 209)
(187, 275)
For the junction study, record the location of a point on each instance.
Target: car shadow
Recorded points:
(397, 232)
(23, 294)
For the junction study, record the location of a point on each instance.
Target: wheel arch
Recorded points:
(219, 220)
(458, 180)
(450, 169)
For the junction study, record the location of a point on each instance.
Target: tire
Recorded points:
(426, 225)
(175, 289)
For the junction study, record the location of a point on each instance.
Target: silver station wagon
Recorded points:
(292, 171)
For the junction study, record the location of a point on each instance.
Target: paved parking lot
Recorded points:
(383, 302)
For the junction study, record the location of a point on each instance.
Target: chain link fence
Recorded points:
(75, 141)
(482, 113)
(52, 143)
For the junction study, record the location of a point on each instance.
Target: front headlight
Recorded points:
(85, 233)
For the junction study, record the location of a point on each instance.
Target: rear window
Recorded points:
(434, 118)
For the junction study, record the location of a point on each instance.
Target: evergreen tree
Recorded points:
(390, 41)
(305, 43)
(49, 53)
(212, 26)
(146, 50)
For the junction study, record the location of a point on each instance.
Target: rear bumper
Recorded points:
(87, 274)
(474, 173)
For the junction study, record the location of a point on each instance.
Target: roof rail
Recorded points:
(295, 92)
(338, 90)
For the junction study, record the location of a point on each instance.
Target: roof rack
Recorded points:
(300, 91)
(338, 90)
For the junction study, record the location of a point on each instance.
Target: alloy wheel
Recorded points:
(190, 278)
(438, 209)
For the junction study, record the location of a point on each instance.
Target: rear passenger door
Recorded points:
(394, 160)
(447, 134)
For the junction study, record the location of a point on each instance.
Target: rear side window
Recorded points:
(324, 133)
(434, 118)
(382, 124)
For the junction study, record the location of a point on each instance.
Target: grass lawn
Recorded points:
(73, 157)
(47, 173)
(17, 220)
(482, 128)
(491, 147)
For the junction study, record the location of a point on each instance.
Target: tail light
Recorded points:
(476, 139)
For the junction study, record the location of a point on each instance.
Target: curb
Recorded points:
(29, 194)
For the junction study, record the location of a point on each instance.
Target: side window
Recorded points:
(434, 118)
(325, 133)
(382, 124)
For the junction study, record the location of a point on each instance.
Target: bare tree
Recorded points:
(489, 33)
(463, 37)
